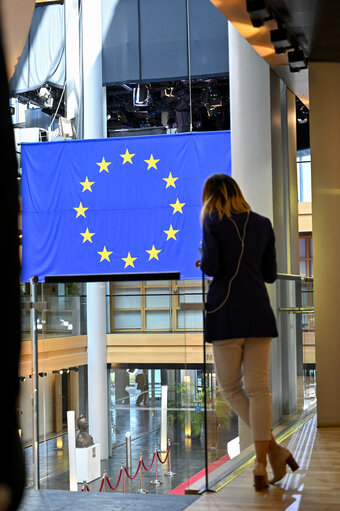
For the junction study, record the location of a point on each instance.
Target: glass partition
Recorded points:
(164, 401)
(154, 375)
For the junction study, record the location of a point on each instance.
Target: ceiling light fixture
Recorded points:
(281, 40)
(258, 12)
(141, 95)
(297, 61)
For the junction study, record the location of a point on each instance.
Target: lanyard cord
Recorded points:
(241, 238)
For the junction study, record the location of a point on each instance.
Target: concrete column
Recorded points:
(251, 153)
(263, 152)
(286, 230)
(250, 123)
(72, 92)
(324, 86)
(93, 127)
(97, 367)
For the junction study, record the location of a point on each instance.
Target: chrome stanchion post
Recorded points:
(35, 389)
(156, 481)
(105, 482)
(141, 489)
(170, 473)
(123, 470)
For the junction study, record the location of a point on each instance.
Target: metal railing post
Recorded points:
(35, 389)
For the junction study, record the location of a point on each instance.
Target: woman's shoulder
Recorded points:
(261, 219)
(211, 218)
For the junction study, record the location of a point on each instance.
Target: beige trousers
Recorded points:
(242, 371)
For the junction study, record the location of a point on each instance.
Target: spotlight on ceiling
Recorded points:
(215, 100)
(302, 115)
(141, 95)
(45, 94)
(297, 61)
(210, 98)
(281, 40)
(258, 12)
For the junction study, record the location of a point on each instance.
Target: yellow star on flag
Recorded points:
(153, 253)
(103, 165)
(151, 162)
(127, 157)
(129, 260)
(87, 235)
(87, 184)
(170, 181)
(171, 233)
(177, 207)
(105, 254)
(80, 210)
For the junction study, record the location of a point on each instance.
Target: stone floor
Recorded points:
(58, 500)
(187, 455)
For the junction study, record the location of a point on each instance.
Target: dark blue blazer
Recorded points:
(247, 312)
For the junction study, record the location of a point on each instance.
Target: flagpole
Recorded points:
(205, 389)
(189, 63)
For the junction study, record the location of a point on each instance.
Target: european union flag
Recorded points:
(99, 207)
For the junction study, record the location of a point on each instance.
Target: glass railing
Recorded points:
(170, 430)
(292, 380)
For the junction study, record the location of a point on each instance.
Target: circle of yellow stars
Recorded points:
(127, 158)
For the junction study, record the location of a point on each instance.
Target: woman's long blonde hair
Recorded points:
(222, 194)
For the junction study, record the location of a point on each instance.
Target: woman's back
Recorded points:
(247, 311)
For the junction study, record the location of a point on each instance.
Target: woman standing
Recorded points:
(238, 250)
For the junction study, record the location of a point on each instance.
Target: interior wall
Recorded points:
(324, 86)
(46, 407)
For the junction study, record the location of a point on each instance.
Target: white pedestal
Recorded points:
(88, 463)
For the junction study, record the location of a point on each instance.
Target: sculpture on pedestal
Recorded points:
(83, 439)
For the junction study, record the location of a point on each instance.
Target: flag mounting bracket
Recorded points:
(111, 277)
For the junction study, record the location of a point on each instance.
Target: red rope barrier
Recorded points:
(124, 469)
(150, 467)
(117, 484)
(85, 487)
(166, 456)
(133, 477)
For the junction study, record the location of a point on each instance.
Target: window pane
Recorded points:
(157, 320)
(123, 300)
(189, 281)
(189, 319)
(311, 268)
(158, 300)
(302, 247)
(303, 268)
(126, 283)
(127, 320)
(190, 295)
(310, 247)
(158, 283)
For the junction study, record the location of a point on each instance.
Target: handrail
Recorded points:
(289, 276)
(297, 310)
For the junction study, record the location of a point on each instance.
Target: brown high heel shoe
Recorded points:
(279, 464)
(260, 477)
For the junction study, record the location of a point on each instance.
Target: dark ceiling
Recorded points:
(315, 24)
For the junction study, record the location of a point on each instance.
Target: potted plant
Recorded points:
(190, 410)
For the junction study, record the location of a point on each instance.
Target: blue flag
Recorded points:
(99, 207)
